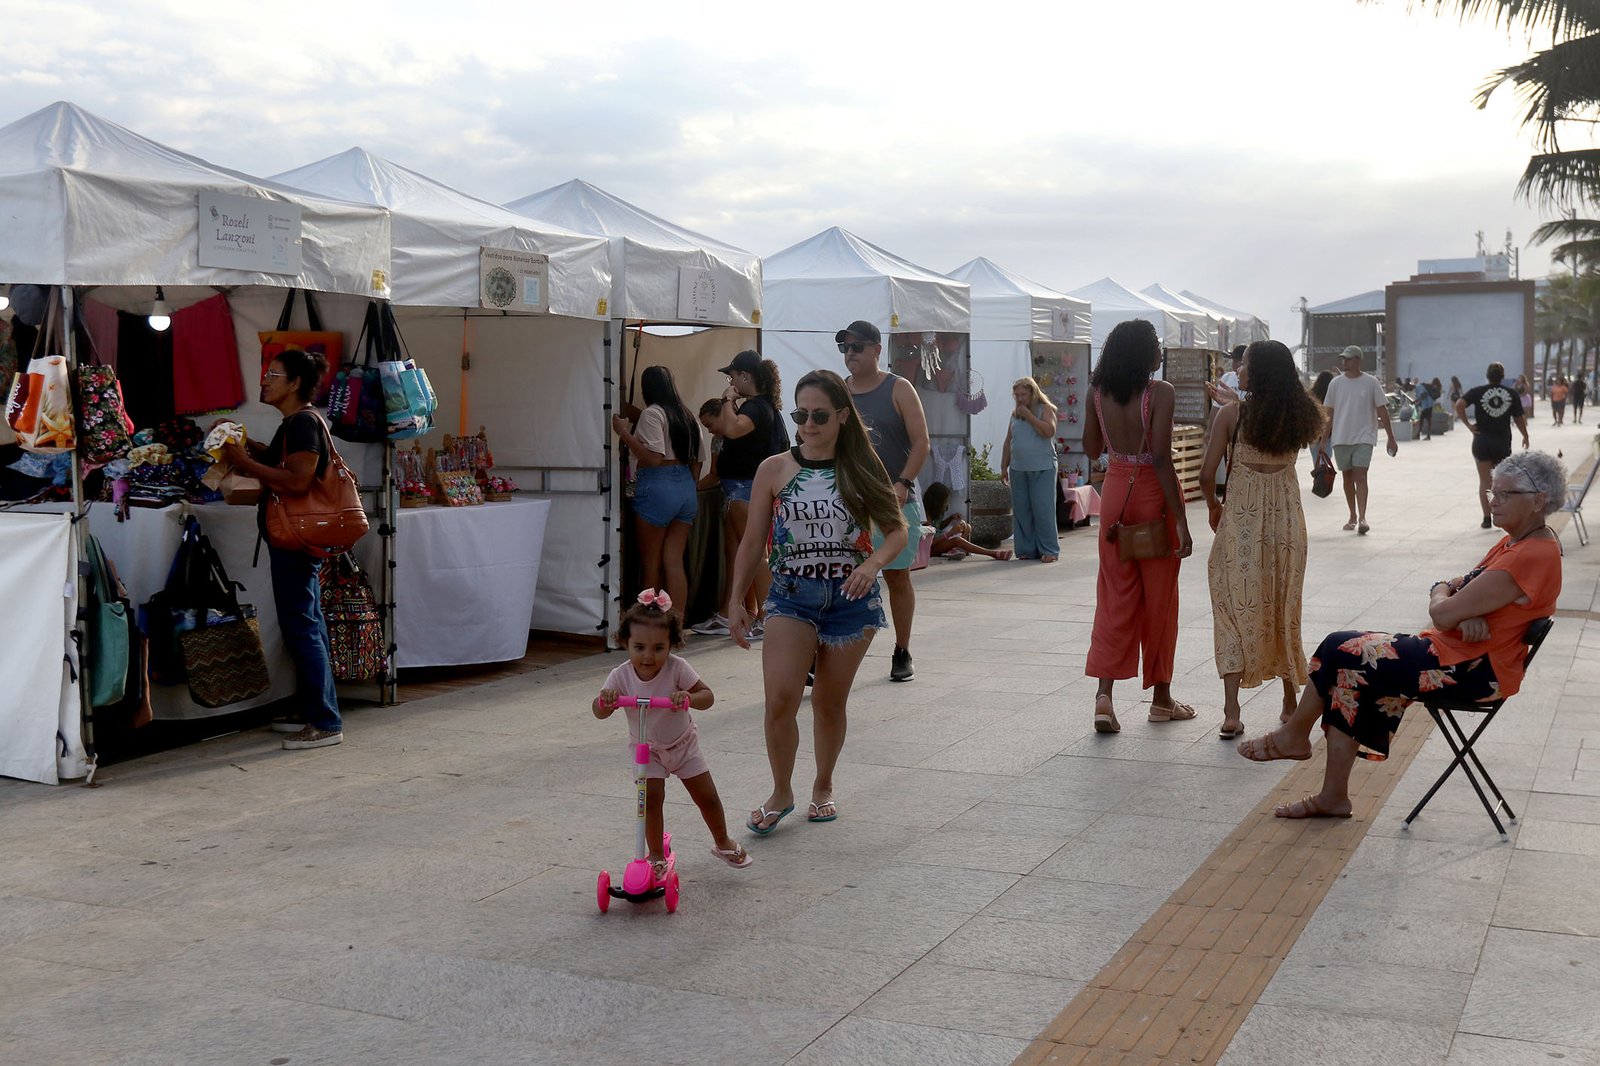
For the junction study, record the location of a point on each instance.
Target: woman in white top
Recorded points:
(665, 443)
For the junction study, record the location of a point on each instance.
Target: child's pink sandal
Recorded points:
(736, 857)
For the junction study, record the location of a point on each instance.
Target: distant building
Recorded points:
(1335, 326)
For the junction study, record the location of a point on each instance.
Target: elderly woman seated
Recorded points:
(1361, 683)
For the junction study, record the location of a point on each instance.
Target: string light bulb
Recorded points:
(5, 297)
(160, 314)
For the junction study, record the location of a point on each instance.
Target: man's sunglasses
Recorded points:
(819, 417)
(851, 348)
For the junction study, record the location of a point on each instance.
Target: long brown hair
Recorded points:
(863, 482)
(1036, 395)
(1279, 415)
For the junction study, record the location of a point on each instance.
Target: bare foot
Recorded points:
(1276, 745)
(1313, 807)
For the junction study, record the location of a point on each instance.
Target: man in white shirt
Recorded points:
(1356, 408)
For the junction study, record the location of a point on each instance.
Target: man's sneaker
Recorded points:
(312, 737)
(900, 665)
(289, 723)
(715, 626)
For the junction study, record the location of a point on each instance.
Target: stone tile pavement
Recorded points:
(425, 892)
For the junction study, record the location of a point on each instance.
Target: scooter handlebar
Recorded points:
(659, 703)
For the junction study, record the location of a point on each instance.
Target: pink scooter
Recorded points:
(639, 882)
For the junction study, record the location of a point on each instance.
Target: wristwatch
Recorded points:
(907, 482)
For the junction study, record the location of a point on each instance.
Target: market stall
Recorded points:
(113, 227)
(814, 288)
(1220, 328)
(1247, 328)
(508, 316)
(679, 299)
(1114, 303)
(1021, 328)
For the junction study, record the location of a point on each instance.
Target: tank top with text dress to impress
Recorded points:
(813, 533)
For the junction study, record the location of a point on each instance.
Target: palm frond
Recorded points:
(1559, 17)
(1566, 229)
(1555, 180)
(1581, 254)
(1560, 83)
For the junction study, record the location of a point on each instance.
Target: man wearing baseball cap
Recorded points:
(892, 413)
(1356, 408)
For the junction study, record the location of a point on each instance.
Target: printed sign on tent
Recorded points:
(1186, 335)
(1061, 324)
(249, 233)
(513, 281)
(697, 294)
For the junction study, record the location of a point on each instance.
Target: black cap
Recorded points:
(747, 360)
(1238, 352)
(861, 330)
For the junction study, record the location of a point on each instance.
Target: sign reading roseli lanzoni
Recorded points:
(249, 233)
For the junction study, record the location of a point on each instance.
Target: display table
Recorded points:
(465, 580)
(1081, 500)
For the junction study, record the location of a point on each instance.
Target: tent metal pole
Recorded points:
(611, 556)
(389, 519)
(69, 348)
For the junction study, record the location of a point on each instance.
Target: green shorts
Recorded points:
(912, 511)
(1352, 456)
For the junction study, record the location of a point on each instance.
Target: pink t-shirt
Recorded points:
(664, 726)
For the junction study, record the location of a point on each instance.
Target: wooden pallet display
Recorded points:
(1188, 449)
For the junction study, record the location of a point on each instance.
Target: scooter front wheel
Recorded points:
(602, 891)
(672, 894)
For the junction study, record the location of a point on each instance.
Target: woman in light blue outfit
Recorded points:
(1028, 465)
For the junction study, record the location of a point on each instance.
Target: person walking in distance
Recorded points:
(1580, 393)
(893, 416)
(1357, 407)
(1494, 407)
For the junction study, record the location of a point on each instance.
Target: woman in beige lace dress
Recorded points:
(1258, 560)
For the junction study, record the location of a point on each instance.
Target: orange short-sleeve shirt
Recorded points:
(1535, 565)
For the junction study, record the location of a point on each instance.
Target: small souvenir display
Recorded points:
(498, 489)
(411, 477)
(459, 472)
(458, 488)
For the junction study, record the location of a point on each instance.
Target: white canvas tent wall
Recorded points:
(537, 381)
(1218, 327)
(1248, 328)
(1008, 313)
(651, 260)
(1114, 303)
(85, 202)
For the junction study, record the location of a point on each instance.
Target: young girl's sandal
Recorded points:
(738, 858)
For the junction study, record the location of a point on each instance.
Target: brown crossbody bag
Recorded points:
(1141, 540)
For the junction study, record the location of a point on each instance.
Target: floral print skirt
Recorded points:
(1367, 680)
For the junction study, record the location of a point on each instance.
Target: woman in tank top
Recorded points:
(813, 509)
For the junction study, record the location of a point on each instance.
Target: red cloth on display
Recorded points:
(205, 359)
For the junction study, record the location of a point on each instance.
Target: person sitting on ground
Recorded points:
(951, 529)
(1361, 683)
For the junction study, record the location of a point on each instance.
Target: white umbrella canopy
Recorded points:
(84, 201)
(1007, 306)
(649, 257)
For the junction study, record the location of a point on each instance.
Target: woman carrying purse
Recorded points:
(1136, 596)
(297, 455)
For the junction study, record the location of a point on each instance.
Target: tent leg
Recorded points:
(80, 515)
(388, 683)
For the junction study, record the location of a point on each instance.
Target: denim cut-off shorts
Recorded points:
(736, 489)
(663, 495)
(820, 602)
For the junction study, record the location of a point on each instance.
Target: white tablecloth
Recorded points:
(466, 580)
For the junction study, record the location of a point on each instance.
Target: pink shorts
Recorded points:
(681, 758)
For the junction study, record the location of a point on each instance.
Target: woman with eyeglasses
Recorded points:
(1361, 683)
(813, 510)
(665, 443)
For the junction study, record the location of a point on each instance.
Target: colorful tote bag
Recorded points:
(409, 401)
(355, 622)
(355, 402)
(327, 343)
(39, 408)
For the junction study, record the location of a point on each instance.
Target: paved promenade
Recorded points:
(424, 893)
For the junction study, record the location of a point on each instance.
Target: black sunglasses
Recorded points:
(851, 348)
(819, 417)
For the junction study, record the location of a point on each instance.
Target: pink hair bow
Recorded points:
(659, 599)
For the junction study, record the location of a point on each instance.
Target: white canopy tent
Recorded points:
(662, 275)
(815, 288)
(1114, 303)
(1219, 327)
(86, 203)
(1248, 328)
(537, 380)
(1009, 312)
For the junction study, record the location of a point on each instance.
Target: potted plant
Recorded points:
(988, 500)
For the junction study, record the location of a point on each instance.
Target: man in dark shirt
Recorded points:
(1495, 406)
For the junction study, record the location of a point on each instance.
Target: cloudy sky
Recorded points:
(1254, 151)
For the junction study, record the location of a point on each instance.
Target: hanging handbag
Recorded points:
(1322, 477)
(39, 408)
(356, 402)
(409, 400)
(1141, 540)
(327, 343)
(105, 430)
(196, 585)
(327, 518)
(219, 638)
(110, 635)
(355, 623)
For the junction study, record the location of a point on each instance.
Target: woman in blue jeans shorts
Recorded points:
(665, 443)
(1028, 465)
(818, 503)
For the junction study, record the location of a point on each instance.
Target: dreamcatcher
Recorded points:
(970, 399)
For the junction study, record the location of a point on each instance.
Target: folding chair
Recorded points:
(1443, 710)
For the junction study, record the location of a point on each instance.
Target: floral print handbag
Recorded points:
(104, 427)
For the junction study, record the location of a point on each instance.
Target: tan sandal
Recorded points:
(1105, 721)
(1306, 808)
(1265, 749)
(1178, 712)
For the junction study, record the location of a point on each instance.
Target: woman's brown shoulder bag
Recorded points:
(328, 518)
(1141, 540)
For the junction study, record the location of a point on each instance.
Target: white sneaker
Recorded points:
(757, 631)
(715, 626)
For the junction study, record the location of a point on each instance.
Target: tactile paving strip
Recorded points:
(1179, 989)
